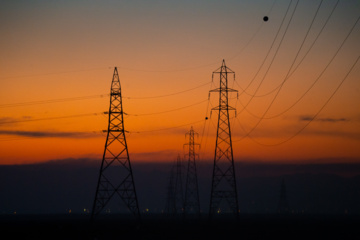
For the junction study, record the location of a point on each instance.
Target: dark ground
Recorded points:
(159, 227)
(58, 187)
(324, 201)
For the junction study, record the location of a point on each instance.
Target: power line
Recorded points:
(20, 104)
(273, 58)
(311, 86)
(310, 120)
(302, 59)
(171, 70)
(253, 36)
(273, 100)
(101, 113)
(267, 54)
(202, 65)
(167, 111)
(169, 128)
(89, 114)
(170, 94)
(206, 118)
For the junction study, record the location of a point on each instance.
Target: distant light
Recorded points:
(266, 18)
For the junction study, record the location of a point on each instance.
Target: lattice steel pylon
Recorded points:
(223, 179)
(115, 177)
(192, 201)
(178, 187)
(170, 208)
(283, 206)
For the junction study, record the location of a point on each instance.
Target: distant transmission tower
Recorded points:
(175, 199)
(283, 207)
(115, 178)
(178, 188)
(223, 186)
(191, 203)
(170, 207)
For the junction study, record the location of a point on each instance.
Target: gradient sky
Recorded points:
(297, 75)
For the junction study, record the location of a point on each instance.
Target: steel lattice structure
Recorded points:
(223, 186)
(115, 177)
(175, 198)
(170, 207)
(283, 203)
(192, 202)
(178, 187)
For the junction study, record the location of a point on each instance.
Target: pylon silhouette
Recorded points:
(191, 202)
(170, 207)
(283, 207)
(223, 179)
(178, 187)
(115, 177)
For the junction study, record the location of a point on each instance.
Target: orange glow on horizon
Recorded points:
(55, 86)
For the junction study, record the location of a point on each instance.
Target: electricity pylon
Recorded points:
(223, 186)
(175, 199)
(283, 207)
(178, 188)
(192, 202)
(115, 177)
(170, 207)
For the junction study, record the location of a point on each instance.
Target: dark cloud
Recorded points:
(12, 121)
(333, 120)
(48, 134)
(330, 132)
(7, 120)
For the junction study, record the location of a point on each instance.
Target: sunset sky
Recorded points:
(298, 77)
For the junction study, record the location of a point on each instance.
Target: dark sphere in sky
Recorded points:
(266, 18)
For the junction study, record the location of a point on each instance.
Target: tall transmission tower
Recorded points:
(115, 177)
(192, 202)
(223, 186)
